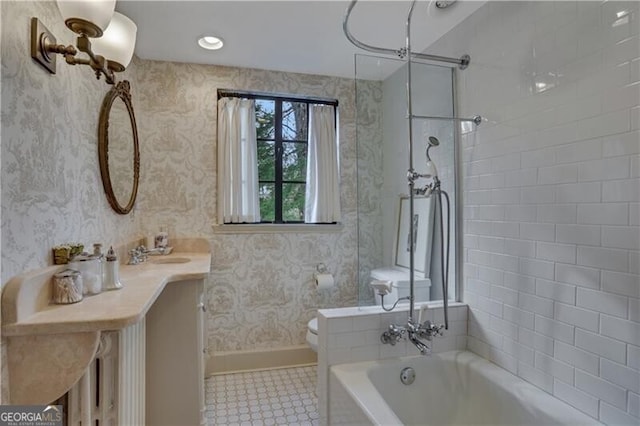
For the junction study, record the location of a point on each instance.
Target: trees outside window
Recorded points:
(281, 128)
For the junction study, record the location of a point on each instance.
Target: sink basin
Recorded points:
(164, 260)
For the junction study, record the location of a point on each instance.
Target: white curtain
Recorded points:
(237, 162)
(322, 197)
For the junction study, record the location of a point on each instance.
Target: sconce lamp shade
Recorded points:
(117, 43)
(88, 17)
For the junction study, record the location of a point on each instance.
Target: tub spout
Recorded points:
(423, 348)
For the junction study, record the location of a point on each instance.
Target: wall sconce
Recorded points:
(113, 34)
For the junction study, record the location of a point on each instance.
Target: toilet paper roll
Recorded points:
(324, 281)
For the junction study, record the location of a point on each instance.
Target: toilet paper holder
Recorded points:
(321, 268)
(323, 278)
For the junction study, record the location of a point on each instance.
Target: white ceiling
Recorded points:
(296, 36)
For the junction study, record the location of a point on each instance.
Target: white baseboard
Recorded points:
(259, 359)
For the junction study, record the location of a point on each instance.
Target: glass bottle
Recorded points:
(112, 272)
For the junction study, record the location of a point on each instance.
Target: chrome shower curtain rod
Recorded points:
(462, 62)
(476, 119)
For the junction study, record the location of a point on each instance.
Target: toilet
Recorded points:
(312, 334)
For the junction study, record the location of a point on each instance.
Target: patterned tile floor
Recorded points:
(273, 397)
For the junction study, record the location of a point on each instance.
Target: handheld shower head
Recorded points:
(433, 141)
(431, 167)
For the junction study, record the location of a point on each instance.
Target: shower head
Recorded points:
(431, 167)
(433, 141)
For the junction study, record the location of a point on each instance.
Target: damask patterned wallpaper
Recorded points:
(51, 187)
(261, 292)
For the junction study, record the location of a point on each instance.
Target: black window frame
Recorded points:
(278, 141)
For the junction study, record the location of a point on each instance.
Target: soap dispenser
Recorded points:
(112, 272)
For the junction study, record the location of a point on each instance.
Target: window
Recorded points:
(282, 138)
(281, 130)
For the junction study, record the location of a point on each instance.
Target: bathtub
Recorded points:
(450, 388)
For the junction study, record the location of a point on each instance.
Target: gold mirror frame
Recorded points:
(120, 90)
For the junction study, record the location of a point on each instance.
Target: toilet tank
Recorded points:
(399, 278)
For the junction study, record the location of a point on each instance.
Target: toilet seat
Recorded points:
(312, 334)
(313, 325)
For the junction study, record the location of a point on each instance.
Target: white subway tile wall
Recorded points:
(353, 335)
(551, 191)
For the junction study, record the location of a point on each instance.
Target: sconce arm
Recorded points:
(44, 49)
(97, 62)
(61, 49)
(72, 60)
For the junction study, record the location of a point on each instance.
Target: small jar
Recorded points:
(89, 267)
(67, 287)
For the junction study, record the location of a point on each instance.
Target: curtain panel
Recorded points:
(238, 200)
(322, 195)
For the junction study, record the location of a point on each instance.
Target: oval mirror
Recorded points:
(118, 148)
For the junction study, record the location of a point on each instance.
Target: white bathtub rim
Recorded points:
(377, 410)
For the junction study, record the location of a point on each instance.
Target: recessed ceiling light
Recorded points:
(210, 42)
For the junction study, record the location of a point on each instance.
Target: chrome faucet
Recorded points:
(140, 253)
(413, 332)
(146, 251)
(422, 347)
(393, 335)
(427, 330)
(135, 257)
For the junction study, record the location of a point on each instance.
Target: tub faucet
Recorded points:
(423, 348)
(413, 332)
(417, 331)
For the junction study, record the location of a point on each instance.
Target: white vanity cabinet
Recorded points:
(175, 396)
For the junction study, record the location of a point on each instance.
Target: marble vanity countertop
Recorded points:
(116, 309)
